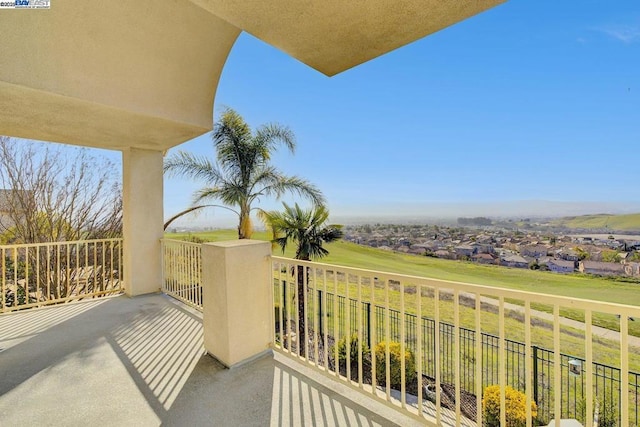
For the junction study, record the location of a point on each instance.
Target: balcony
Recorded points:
(143, 360)
(127, 99)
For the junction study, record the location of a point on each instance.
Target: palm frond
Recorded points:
(189, 165)
(303, 227)
(269, 135)
(232, 137)
(332, 233)
(276, 185)
(228, 195)
(179, 214)
(192, 209)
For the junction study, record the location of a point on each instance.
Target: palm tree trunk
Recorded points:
(244, 227)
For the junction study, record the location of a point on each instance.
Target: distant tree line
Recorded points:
(479, 220)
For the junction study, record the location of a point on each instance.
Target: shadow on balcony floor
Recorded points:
(140, 361)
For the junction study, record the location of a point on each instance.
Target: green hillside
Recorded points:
(602, 221)
(350, 254)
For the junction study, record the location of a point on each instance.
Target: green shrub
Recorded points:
(607, 414)
(395, 370)
(353, 349)
(516, 407)
(194, 239)
(607, 411)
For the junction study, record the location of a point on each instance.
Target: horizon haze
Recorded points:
(431, 213)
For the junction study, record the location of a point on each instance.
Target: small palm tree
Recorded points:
(242, 172)
(306, 229)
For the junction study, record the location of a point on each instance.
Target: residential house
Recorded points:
(544, 260)
(484, 258)
(485, 247)
(616, 244)
(602, 268)
(594, 252)
(430, 245)
(465, 250)
(561, 266)
(444, 254)
(378, 240)
(632, 269)
(403, 241)
(567, 254)
(535, 251)
(416, 250)
(514, 261)
(484, 238)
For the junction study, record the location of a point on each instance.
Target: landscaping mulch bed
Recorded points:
(447, 398)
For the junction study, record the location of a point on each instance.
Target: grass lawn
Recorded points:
(352, 255)
(573, 285)
(613, 222)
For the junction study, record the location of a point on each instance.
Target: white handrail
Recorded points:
(182, 269)
(38, 274)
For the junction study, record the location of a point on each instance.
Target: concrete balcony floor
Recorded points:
(140, 361)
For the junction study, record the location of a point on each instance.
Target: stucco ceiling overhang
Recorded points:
(143, 74)
(335, 35)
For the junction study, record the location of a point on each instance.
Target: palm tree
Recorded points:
(242, 172)
(306, 229)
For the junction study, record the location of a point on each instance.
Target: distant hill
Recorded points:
(628, 222)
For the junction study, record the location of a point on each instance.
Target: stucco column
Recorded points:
(142, 204)
(237, 299)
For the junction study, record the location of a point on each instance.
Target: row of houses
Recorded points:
(559, 254)
(595, 267)
(556, 265)
(552, 264)
(610, 242)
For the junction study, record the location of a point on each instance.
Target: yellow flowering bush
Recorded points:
(516, 407)
(395, 370)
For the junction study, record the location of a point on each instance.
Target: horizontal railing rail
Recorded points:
(182, 271)
(449, 359)
(40, 274)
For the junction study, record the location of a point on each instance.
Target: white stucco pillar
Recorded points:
(142, 220)
(237, 299)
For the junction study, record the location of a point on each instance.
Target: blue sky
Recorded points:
(532, 100)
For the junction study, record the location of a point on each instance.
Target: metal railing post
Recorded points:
(284, 296)
(535, 373)
(368, 305)
(320, 313)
